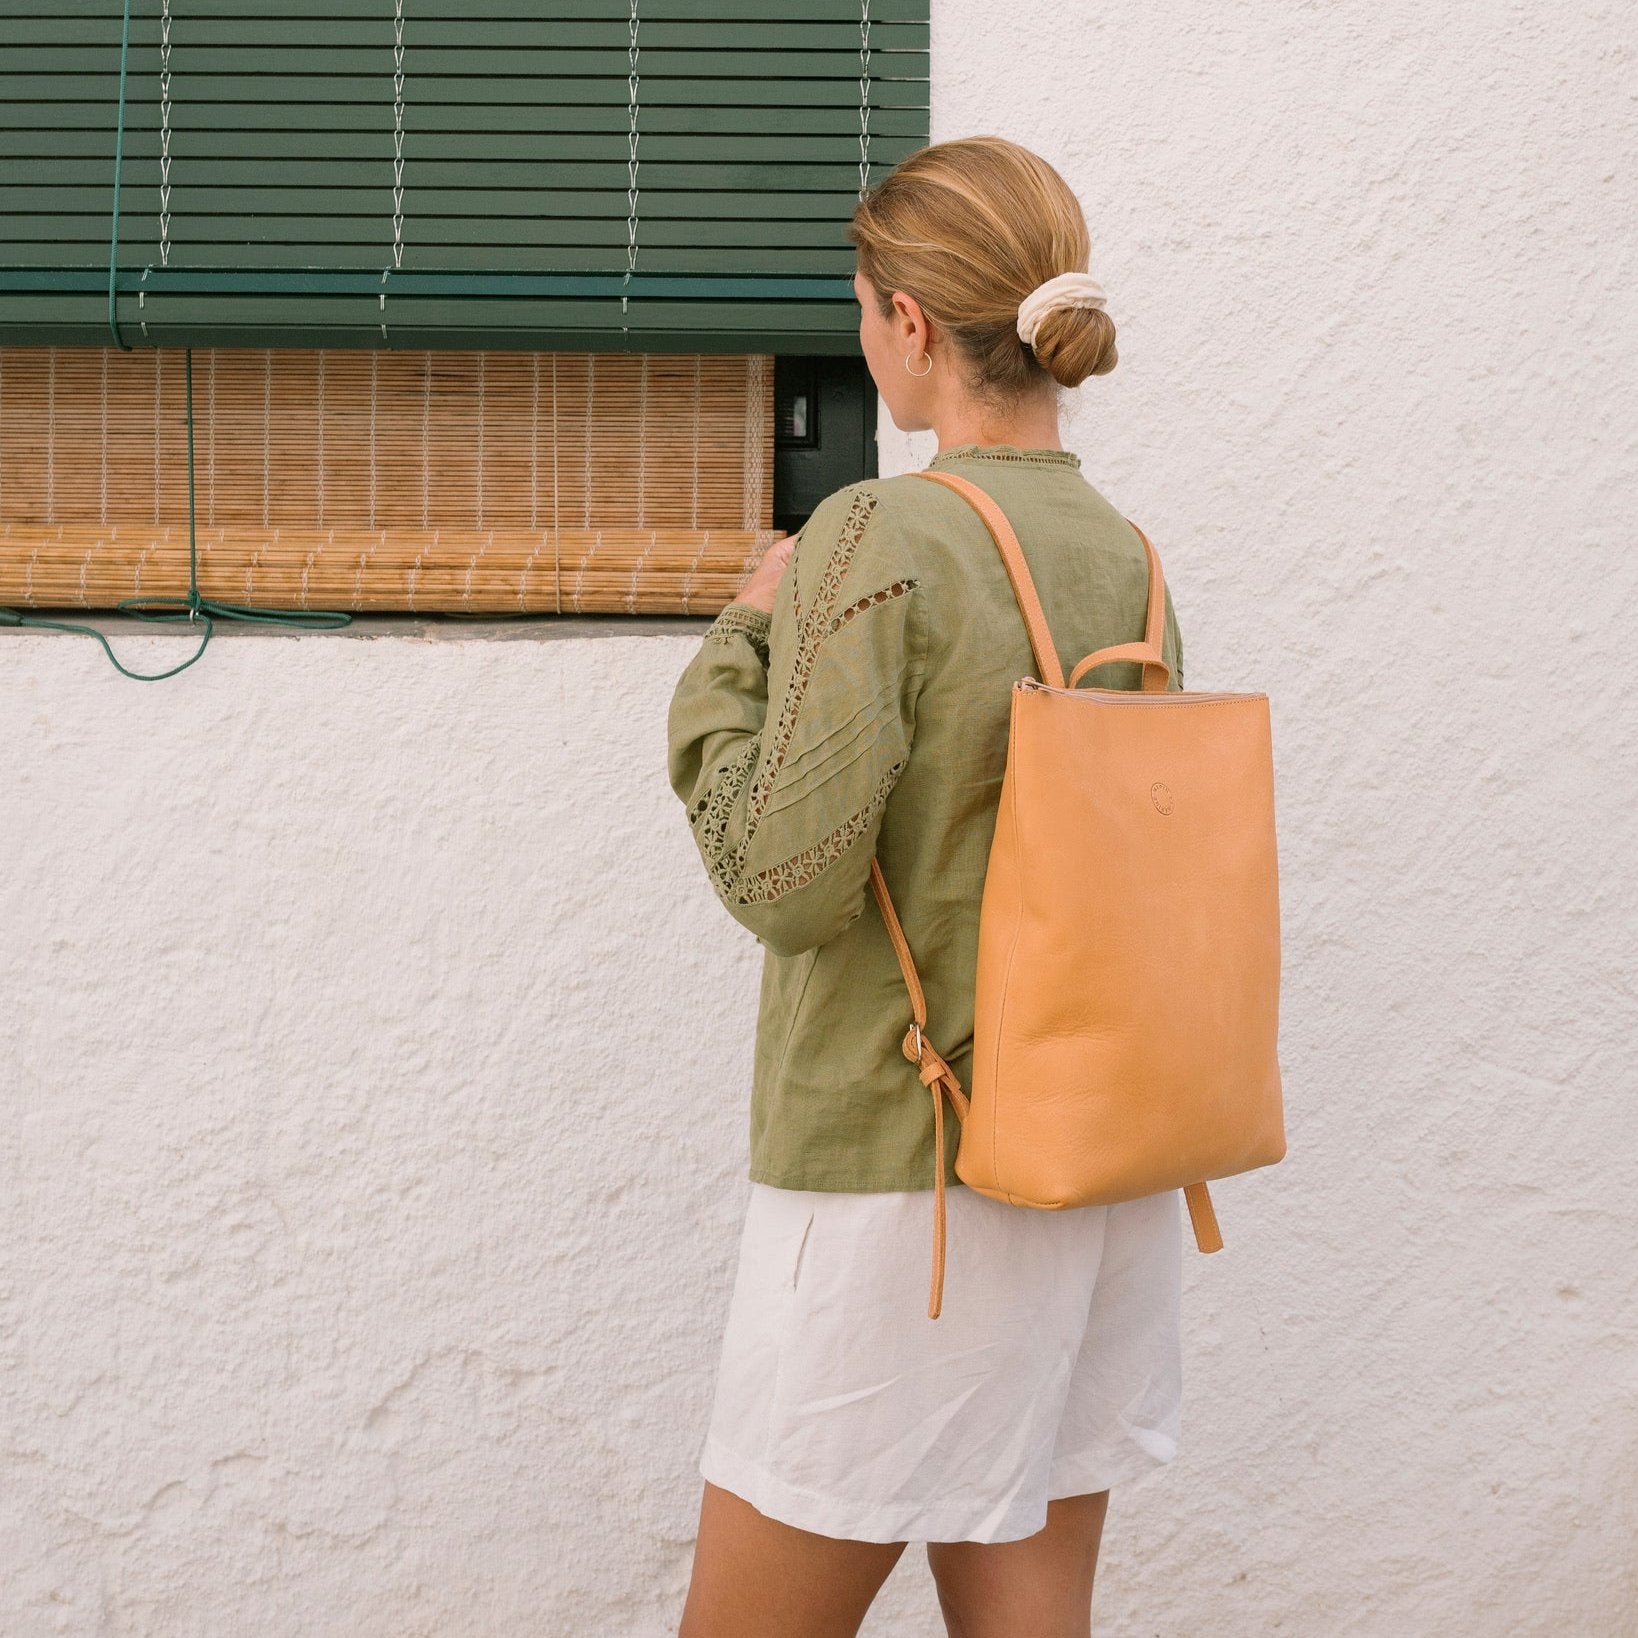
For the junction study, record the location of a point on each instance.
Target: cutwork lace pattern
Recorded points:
(710, 815)
(736, 620)
(809, 634)
(897, 589)
(804, 866)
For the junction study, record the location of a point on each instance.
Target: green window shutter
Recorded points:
(543, 201)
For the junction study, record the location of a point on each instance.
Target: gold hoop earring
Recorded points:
(919, 373)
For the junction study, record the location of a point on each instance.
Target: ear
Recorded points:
(911, 323)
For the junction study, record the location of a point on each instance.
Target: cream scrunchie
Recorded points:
(1066, 290)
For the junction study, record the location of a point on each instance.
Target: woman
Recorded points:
(851, 703)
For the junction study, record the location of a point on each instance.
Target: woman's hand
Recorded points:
(763, 581)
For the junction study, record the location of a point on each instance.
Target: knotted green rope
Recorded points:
(193, 606)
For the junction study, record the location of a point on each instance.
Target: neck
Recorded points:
(1034, 425)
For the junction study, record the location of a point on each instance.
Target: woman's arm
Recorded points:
(788, 730)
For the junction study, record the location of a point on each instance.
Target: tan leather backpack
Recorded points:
(1127, 1005)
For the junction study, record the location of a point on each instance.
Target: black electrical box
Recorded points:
(824, 432)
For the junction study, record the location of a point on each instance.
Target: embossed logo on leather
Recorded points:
(1160, 793)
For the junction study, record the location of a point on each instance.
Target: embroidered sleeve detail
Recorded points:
(810, 630)
(741, 620)
(801, 868)
(786, 764)
(897, 589)
(710, 815)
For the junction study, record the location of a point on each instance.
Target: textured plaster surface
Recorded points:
(375, 1057)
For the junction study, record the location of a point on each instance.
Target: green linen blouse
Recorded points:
(867, 717)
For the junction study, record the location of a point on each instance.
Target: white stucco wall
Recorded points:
(375, 1057)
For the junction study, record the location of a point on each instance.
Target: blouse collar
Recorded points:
(1006, 452)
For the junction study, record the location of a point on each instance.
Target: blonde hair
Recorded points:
(969, 228)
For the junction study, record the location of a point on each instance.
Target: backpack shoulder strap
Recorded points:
(1156, 672)
(1012, 554)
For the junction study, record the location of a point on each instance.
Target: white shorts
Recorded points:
(1053, 1369)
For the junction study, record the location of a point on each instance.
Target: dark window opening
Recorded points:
(824, 432)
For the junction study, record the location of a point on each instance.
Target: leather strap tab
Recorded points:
(938, 1078)
(1206, 1233)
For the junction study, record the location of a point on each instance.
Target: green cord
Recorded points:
(195, 606)
(119, 165)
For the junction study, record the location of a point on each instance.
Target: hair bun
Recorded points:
(1072, 343)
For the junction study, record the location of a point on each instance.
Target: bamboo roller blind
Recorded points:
(466, 481)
